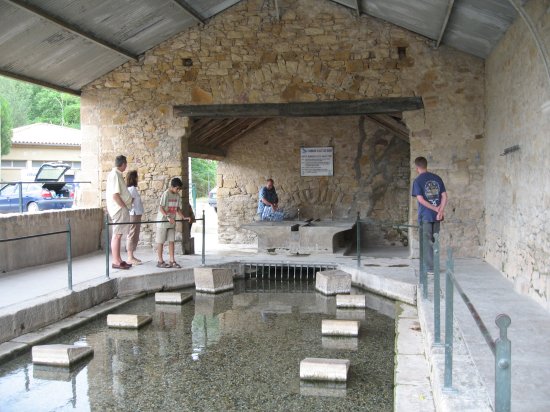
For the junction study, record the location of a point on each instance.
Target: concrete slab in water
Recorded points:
(60, 355)
(333, 282)
(213, 280)
(174, 298)
(320, 369)
(124, 321)
(351, 301)
(338, 327)
(340, 343)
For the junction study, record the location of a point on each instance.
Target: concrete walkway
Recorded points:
(529, 332)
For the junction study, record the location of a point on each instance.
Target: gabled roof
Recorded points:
(45, 134)
(67, 44)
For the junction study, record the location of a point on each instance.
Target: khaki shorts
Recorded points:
(123, 215)
(165, 234)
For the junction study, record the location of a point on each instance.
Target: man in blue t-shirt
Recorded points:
(429, 190)
(267, 198)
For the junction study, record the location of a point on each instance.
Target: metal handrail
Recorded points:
(69, 248)
(106, 230)
(501, 347)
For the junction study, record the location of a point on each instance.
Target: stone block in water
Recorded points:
(59, 354)
(351, 301)
(320, 369)
(127, 321)
(333, 282)
(338, 327)
(174, 298)
(212, 305)
(213, 280)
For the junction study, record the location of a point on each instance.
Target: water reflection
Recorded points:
(232, 351)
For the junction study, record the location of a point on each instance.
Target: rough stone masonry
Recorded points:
(318, 51)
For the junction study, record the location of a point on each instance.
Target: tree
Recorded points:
(50, 106)
(19, 96)
(5, 126)
(203, 173)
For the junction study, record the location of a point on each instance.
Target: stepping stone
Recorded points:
(60, 355)
(213, 280)
(351, 301)
(333, 282)
(319, 369)
(174, 298)
(127, 321)
(340, 343)
(337, 327)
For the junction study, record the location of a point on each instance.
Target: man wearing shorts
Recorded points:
(119, 202)
(169, 208)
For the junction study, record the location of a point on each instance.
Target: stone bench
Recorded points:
(127, 321)
(338, 327)
(174, 298)
(213, 280)
(320, 369)
(333, 282)
(60, 355)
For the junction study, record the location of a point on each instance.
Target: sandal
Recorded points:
(123, 265)
(163, 265)
(175, 265)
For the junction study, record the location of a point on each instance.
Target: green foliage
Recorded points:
(202, 172)
(6, 124)
(36, 104)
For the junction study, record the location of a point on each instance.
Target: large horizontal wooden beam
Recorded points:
(39, 82)
(205, 152)
(306, 109)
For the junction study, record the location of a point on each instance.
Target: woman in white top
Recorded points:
(135, 216)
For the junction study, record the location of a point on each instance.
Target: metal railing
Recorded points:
(107, 242)
(20, 191)
(500, 347)
(69, 249)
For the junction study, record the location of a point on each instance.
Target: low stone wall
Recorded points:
(86, 225)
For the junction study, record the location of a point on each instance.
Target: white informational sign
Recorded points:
(317, 161)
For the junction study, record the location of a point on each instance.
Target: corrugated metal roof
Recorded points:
(45, 134)
(32, 47)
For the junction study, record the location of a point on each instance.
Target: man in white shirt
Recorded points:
(119, 202)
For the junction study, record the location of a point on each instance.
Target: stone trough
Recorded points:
(59, 354)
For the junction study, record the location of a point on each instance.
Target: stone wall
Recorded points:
(86, 226)
(317, 51)
(371, 176)
(517, 186)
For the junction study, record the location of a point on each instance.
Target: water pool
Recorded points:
(235, 351)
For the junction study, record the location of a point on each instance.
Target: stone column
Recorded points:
(188, 244)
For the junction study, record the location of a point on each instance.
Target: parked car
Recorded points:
(213, 198)
(51, 194)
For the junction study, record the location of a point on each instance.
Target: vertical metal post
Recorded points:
(420, 251)
(449, 294)
(358, 225)
(106, 230)
(437, 293)
(503, 366)
(424, 274)
(203, 238)
(69, 257)
(20, 197)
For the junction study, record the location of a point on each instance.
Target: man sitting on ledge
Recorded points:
(268, 203)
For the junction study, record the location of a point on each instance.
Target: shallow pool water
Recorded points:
(235, 351)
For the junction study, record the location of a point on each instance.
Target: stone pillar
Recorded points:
(188, 246)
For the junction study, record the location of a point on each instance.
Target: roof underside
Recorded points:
(36, 49)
